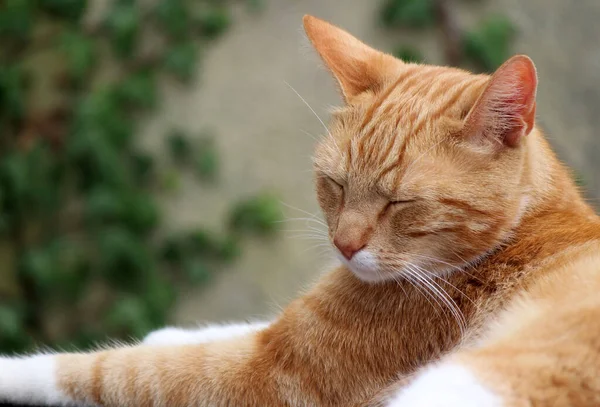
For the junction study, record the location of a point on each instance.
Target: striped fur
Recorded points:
(470, 277)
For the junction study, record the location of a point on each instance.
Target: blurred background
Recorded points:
(155, 154)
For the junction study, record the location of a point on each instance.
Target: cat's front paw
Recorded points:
(446, 385)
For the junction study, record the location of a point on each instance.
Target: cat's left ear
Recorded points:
(505, 111)
(356, 66)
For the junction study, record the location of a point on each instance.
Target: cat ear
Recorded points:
(505, 111)
(356, 66)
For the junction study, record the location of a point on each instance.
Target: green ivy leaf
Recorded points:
(408, 54)
(179, 146)
(87, 338)
(39, 264)
(72, 266)
(141, 214)
(198, 272)
(100, 132)
(12, 92)
(181, 60)
(59, 269)
(79, 52)
(408, 13)
(203, 242)
(13, 335)
(212, 20)
(174, 17)
(229, 249)
(170, 181)
(138, 90)
(11, 323)
(490, 45)
(129, 316)
(16, 18)
(14, 177)
(259, 215)
(103, 206)
(123, 23)
(69, 9)
(207, 160)
(159, 296)
(143, 168)
(101, 112)
(174, 249)
(123, 258)
(43, 175)
(97, 162)
(27, 179)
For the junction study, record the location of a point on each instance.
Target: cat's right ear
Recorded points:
(505, 112)
(356, 66)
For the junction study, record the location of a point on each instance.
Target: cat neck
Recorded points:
(554, 218)
(547, 183)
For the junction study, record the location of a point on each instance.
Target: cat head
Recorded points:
(424, 166)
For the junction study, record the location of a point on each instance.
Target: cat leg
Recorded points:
(543, 351)
(19, 376)
(209, 333)
(186, 375)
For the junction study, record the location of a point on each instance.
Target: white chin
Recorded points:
(364, 266)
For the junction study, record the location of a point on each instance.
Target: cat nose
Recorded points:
(348, 248)
(353, 233)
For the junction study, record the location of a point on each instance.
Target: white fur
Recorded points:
(179, 336)
(364, 265)
(31, 381)
(446, 385)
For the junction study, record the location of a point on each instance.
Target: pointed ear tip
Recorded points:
(309, 22)
(524, 69)
(524, 64)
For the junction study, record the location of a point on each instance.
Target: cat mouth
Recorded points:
(363, 265)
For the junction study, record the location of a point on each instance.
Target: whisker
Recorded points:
(319, 245)
(312, 215)
(312, 136)
(315, 113)
(421, 290)
(462, 269)
(469, 265)
(397, 280)
(320, 222)
(308, 237)
(455, 267)
(443, 296)
(446, 282)
(309, 230)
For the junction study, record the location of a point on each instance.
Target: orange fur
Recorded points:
(483, 206)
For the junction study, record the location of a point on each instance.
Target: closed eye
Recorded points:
(334, 183)
(401, 201)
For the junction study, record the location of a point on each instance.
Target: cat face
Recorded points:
(424, 166)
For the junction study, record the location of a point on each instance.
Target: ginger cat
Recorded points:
(470, 276)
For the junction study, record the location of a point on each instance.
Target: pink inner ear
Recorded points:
(505, 112)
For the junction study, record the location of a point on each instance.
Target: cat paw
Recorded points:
(446, 385)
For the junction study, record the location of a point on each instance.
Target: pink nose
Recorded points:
(349, 247)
